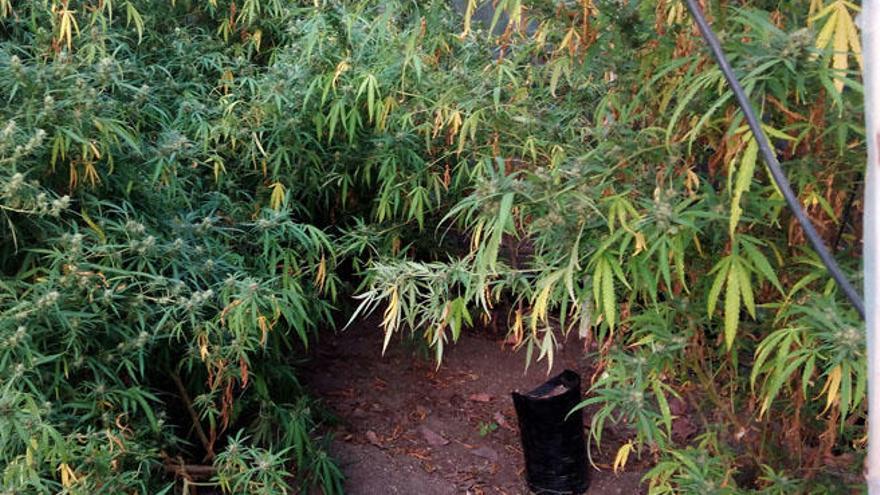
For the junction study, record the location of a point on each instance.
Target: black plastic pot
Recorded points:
(553, 446)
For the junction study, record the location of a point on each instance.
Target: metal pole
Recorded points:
(869, 21)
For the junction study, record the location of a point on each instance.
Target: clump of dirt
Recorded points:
(408, 427)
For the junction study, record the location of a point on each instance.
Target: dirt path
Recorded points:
(406, 428)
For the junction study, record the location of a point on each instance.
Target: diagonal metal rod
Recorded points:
(772, 163)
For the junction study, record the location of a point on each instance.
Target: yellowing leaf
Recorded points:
(539, 309)
(641, 244)
(548, 346)
(257, 38)
(219, 168)
(277, 198)
(571, 36)
(609, 298)
(517, 329)
(91, 173)
(66, 25)
(321, 276)
(675, 14)
(68, 476)
(745, 173)
(391, 317)
(203, 346)
(832, 387)
(94, 226)
(264, 325)
(454, 123)
(731, 307)
(622, 456)
(827, 31)
(341, 67)
(259, 144)
(468, 15)
(839, 33)
(438, 123)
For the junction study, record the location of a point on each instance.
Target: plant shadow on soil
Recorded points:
(406, 427)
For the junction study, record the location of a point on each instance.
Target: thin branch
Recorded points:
(197, 424)
(190, 471)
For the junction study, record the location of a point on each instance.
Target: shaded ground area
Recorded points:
(408, 428)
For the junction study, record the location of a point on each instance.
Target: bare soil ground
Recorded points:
(406, 427)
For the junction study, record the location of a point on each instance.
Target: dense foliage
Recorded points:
(149, 305)
(189, 187)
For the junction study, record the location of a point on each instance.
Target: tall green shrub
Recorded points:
(151, 296)
(188, 185)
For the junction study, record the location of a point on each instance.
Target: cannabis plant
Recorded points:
(155, 285)
(614, 190)
(190, 188)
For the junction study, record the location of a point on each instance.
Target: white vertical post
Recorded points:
(870, 24)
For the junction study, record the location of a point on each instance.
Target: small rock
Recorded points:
(485, 453)
(481, 397)
(434, 439)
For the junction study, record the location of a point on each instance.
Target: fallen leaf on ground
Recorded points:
(373, 438)
(396, 433)
(418, 455)
(433, 438)
(502, 421)
(480, 397)
(345, 393)
(420, 413)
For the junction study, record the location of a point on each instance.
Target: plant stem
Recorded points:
(191, 470)
(197, 424)
(708, 385)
